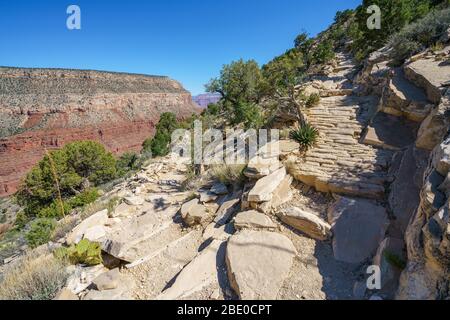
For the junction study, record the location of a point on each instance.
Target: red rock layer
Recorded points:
(38, 112)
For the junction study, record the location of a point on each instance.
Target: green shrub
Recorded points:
(75, 166)
(323, 53)
(419, 35)
(306, 136)
(126, 163)
(34, 278)
(40, 232)
(85, 252)
(159, 145)
(112, 203)
(313, 100)
(55, 210)
(84, 198)
(395, 260)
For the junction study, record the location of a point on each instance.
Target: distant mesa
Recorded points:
(48, 108)
(203, 100)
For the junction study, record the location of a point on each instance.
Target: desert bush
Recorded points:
(160, 143)
(85, 252)
(75, 166)
(40, 232)
(312, 101)
(419, 35)
(323, 53)
(306, 136)
(126, 163)
(34, 278)
(228, 174)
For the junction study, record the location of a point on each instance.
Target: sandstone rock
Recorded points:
(207, 196)
(197, 214)
(228, 208)
(95, 234)
(82, 278)
(134, 201)
(281, 195)
(258, 262)
(66, 295)
(442, 157)
(219, 189)
(253, 220)
(123, 291)
(108, 280)
(265, 187)
(199, 273)
(435, 126)
(305, 222)
(187, 206)
(428, 74)
(97, 219)
(354, 245)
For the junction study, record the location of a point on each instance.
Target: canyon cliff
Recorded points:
(46, 108)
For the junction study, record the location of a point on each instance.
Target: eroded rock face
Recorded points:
(47, 108)
(258, 262)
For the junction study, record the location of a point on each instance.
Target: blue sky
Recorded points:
(188, 40)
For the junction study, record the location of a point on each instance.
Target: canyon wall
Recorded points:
(47, 108)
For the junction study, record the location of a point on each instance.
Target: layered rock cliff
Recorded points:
(47, 108)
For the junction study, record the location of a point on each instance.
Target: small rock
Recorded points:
(108, 280)
(197, 214)
(253, 220)
(265, 187)
(305, 222)
(187, 206)
(66, 295)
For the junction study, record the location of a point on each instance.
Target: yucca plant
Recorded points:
(306, 136)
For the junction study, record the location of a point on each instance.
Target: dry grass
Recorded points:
(34, 278)
(228, 174)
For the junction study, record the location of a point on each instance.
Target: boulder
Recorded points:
(281, 195)
(219, 188)
(108, 280)
(197, 214)
(434, 128)
(305, 222)
(355, 244)
(187, 206)
(97, 219)
(253, 220)
(264, 189)
(258, 262)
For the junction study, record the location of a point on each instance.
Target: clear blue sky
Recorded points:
(188, 40)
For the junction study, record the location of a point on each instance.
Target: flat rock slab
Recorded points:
(253, 220)
(134, 200)
(264, 189)
(198, 274)
(258, 262)
(124, 291)
(358, 227)
(108, 280)
(97, 219)
(305, 222)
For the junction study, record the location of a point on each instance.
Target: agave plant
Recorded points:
(306, 136)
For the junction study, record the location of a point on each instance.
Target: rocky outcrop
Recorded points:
(47, 108)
